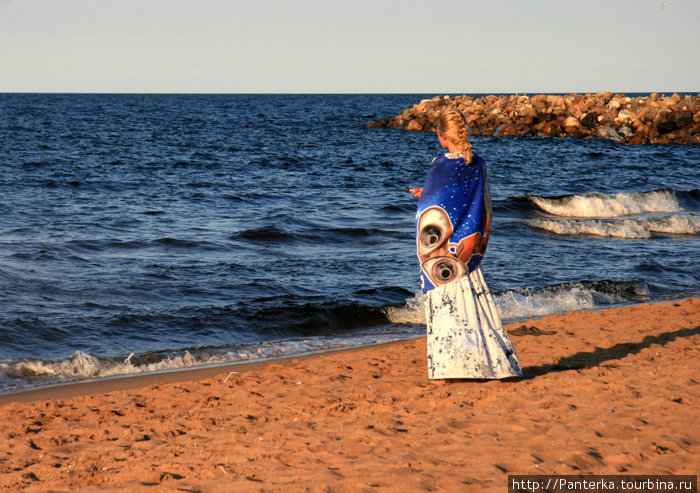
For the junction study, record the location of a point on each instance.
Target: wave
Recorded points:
(597, 205)
(263, 234)
(311, 233)
(84, 365)
(526, 302)
(410, 313)
(372, 325)
(561, 298)
(312, 319)
(23, 374)
(640, 228)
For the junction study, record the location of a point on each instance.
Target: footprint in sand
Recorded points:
(524, 330)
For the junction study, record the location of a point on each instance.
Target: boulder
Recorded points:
(609, 133)
(414, 126)
(546, 117)
(589, 120)
(551, 129)
(472, 118)
(625, 116)
(625, 131)
(636, 139)
(683, 118)
(664, 122)
(572, 122)
(604, 97)
(379, 123)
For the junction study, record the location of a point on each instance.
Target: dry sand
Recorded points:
(615, 391)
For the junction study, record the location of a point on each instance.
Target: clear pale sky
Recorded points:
(349, 46)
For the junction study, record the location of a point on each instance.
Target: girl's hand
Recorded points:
(417, 192)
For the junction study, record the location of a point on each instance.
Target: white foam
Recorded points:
(84, 365)
(640, 228)
(681, 224)
(411, 313)
(81, 365)
(609, 206)
(514, 305)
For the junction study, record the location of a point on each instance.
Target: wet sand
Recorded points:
(615, 391)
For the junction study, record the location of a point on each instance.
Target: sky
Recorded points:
(349, 46)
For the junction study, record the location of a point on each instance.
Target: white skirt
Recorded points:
(465, 336)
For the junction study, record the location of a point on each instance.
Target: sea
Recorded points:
(154, 232)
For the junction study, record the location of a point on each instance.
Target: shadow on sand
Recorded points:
(601, 355)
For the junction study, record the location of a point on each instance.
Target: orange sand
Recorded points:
(615, 391)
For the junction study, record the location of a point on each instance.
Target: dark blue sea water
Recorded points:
(151, 232)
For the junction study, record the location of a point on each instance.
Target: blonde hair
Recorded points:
(452, 126)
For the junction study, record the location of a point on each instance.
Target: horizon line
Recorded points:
(174, 93)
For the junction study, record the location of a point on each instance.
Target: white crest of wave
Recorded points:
(609, 206)
(181, 361)
(84, 365)
(644, 227)
(79, 364)
(514, 305)
(413, 312)
(681, 224)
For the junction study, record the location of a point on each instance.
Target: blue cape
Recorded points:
(453, 221)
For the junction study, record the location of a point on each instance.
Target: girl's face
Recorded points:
(443, 141)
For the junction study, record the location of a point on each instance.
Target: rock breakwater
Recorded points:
(633, 120)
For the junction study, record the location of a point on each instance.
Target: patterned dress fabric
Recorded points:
(465, 336)
(464, 332)
(453, 220)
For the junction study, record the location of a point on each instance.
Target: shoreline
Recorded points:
(130, 381)
(126, 381)
(613, 391)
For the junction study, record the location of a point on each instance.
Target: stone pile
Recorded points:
(632, 120)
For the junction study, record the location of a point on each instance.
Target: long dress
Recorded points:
(465, 335)
(464, 332)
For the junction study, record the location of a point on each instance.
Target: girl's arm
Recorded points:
(417, 192)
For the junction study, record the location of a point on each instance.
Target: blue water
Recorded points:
(148, 232)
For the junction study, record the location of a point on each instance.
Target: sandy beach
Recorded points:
(614, 391)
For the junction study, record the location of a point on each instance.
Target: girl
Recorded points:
(465, 339)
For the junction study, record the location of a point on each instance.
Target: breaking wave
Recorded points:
(597, 205)
(80, 366)
(403, 322)
(561, 298)
(639, 228)
(526, 302)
